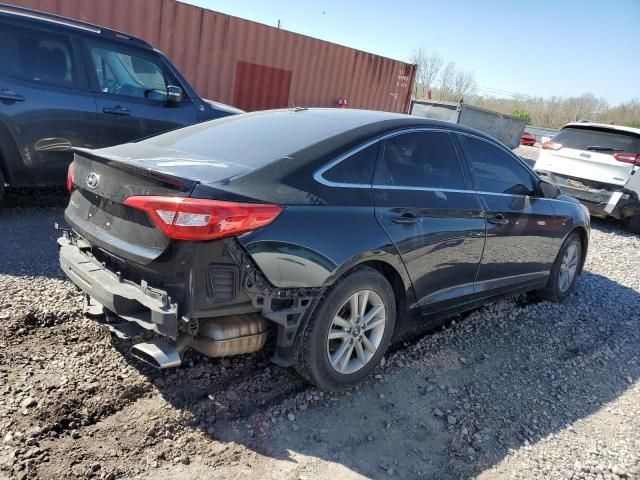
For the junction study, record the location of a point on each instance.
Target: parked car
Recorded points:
(335, 229)
(66, 84)
(527, 139)
(597, 164)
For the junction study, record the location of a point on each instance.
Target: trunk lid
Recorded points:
(589, 165)
(105, 178)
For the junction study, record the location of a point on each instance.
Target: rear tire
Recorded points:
(564, 272)
(358, 340)
(633, 224)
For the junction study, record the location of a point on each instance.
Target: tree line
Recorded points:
(449, 83)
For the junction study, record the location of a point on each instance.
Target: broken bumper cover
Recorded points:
(148, 307)
(601, 202)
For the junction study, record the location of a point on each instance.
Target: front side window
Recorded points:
(494, 170)
(36, 55)
(355, 169)
(421, 159)
(130, 75)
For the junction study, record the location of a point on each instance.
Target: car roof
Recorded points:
(271, 135)
(45, 18)
(607, 126)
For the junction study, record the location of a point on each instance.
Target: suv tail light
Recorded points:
(632, 158)
(70, 178)
(551, 145)
(183, 218)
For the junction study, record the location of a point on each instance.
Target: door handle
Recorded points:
(123, 112)
(11, 96)
(497, 219)
(405, 219)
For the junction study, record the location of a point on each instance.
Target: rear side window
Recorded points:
(494, 170)
(421, 159)
(36, 55)
(127, 73)
(598, 139)
(357, 168)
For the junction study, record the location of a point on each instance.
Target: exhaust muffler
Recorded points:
(217, 337)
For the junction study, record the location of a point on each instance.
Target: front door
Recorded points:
(425, 204)
(44, 101)
(521, 225)
(131, 93)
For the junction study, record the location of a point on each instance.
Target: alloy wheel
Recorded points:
(568, 267)
(356, 332)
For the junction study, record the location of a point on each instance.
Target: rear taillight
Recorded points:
(632, 158)
(551, 145)
(201, 219)
(70, 178)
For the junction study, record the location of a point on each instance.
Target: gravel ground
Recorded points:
(516, 389)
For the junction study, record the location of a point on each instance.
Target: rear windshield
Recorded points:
(598, 139)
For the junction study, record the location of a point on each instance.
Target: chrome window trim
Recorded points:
(317, 176)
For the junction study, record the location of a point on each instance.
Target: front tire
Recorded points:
(564, 272)
(349, 331)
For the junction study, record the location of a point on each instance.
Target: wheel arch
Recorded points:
(394, 272)
(583, 235)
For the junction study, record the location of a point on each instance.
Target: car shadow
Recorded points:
(27, 218)
(450, 404)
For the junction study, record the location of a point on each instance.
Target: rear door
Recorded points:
(424, 202)
(45, 101)
(130, 87)
(521, 225)
(592, 153)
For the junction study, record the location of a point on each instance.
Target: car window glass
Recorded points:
(421, 159)
(357, 168)
(36, 55)
(598, 139)
(494, 170)
(126, 74)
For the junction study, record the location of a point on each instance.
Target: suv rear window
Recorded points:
(598, 138)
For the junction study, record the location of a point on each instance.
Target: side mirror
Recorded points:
(549, 190)
(174, 94)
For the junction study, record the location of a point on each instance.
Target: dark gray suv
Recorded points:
(66, 84)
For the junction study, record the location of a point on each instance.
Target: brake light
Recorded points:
(632, 158)
(551, 145)
(70, 178)
(183, 218)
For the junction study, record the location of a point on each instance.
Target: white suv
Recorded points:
(599, 165)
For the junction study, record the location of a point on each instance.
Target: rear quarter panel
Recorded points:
(313, 245)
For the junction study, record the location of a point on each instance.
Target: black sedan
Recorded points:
(331, 230)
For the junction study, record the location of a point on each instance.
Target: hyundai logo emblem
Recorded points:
(93, 179)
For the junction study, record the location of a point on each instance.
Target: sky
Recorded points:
(542, 48)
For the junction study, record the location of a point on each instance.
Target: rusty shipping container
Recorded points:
(248, 64)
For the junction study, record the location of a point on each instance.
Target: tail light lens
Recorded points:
(551, 145)
(632, 158)
(183, 218)
(70, 178)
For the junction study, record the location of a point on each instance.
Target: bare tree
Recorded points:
(429, 65)
(445, 85)
(464, 83)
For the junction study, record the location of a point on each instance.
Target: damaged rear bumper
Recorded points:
(601, 202)
(149, 307)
